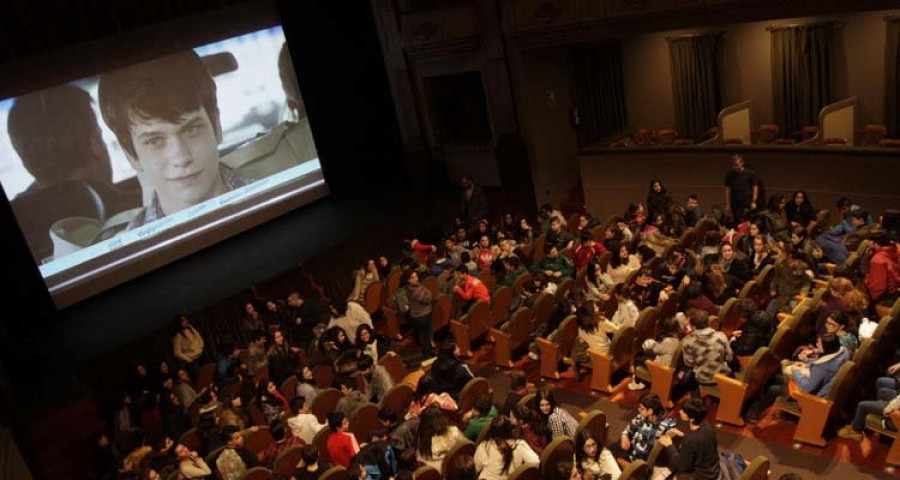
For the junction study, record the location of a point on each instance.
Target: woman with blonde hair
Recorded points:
(841, 296)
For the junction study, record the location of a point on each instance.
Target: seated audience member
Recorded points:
(370, 343)
(450, 374)
(705, 351)
(546, 214)
(436, 437)
(501, 452)
(227, 363)
(883, 279)
(282, 358)
(558, 236)
(594, 459)
(183, 389)
(717, 286)
(251, 318)
(485, 253)
(234, 460)
(351, 397)
(559, 421)
(256, 352)
(646, 291)
(887, 401)
(841, 297)
(303, 425)
(838, 324)
(734, 264)
(377, 457)
(658, 199)
(621, 264)
(761, 256)
(591, 334)
(792, 278)
(555, 266)
(626, 311)
(445, 279)
(800, 212)
(271, 401)
(643, 430)
(309, 467)
(190, 464)
(597, 286)
(482, 413)
(283, 439)
(756, 331)
(453, 251)
(306, 386)
(428, 395)
(470, 288)
(349, 316)
(275, 315)
(672, 271)
(532, 427)
(378, 380)
(695, 298)
(661, 351)
(587, 250)
(692, 210)
(513, 269)
(518, 388)
(231, 413)
(698, 455)
(362, 278)
(342, 445)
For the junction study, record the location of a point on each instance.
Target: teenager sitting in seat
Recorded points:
(662, 350)
(587, 250)
(482, 412)
(448, 372)
(532, 427)
(596, 288)
(792, 278)
(303, 425)
(762, 255)
(705, 350)
(648, 292)
(502, 451)
(428, 395)
(717, 286)
(734, 264)
(283, 439)
(698, 455)
(887, 401)
(436, 437)
(800, 212)
(592, 334)
(756, 330)
(378, 380)
(595, 460)
(351, 396)
(362, 278)
(621, 264)
(271, 401)
(349, 316)
(672, 271)
(883, 279)
(342, 445)
(643, 430)
(695, 298)
(513, 269)
(309, 467)
(559, 421)
(234, 460)
(555, 266)
(841, 297)
(470, 288)
(485, 253)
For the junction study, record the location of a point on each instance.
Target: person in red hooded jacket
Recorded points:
(470, 288)
(587, 250)
(883, 279)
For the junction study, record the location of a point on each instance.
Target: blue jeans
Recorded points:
(863, 409)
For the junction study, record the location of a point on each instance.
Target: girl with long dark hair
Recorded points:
(502, 452)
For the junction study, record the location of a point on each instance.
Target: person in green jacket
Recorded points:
(514, 270)
(481, 414)
(554, 265)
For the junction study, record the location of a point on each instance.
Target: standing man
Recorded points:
(692, 209)
(741, 187)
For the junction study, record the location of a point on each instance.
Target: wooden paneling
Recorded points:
(612, 178)
(527, 14)
(637, 7)
(438, 26)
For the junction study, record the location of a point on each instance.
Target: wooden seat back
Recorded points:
(784, 342)
(747, 290)
(729, 318)
(763, 364)
(286, 461)
(543, 308)
(257, 473)
(335, 473)
(441, 310)
(603, 259)
(257, 417)
(594, 422)
(803, 323)
(206, 376)
(427, 473)
(564, 288)
(526, 472)
(566, 335)
(645, 325)
(323, 375)
(464, 448)
(363, 420)
(559, 450)
(398, 399)
(866, 356)
(258, 441)
(192, 440)
(687, 238)
(537, 252)
(474, 389)
(527, 400)
(478, 319)
(500, 302)
(757, 469)
(658, 456)
(289, 388)
(487, 277)
(636, 470)
(520, 327)
(621, 349)
(373, 297)
(431, 284)
(325, 403)
(667, 310)
(844, 382)
(520, 283)
(394, 366)
(321, 443)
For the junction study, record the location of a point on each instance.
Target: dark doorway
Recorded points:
(458, 109)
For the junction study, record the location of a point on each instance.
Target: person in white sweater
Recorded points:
(190, 464)
(594, 458)
(303, 424)
(187, 344)
(501, 453)
(627, 312)
(436, 437)
(349, 316)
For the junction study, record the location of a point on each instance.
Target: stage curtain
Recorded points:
(597, 91)
(892, 78)
(801, 74)
(696, 83)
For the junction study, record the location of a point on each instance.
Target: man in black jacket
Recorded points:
(699, 452)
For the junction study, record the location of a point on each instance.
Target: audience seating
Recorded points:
(552, 352)
(427, 473)
(441, 310)
(729, 319)
(286, 461)
(636, 470)
(373, 297)
(873, 423)
(487, 277)
(543, 308)
(564, 288)
(321, 442)
(476, 388)
(520, 283)
(323, 375)
(393, 321)
(595, 422)
(258, 473)
(558, 450)
(192, 440)
(255, 413)
(335, 473)
(212, 456)
(645, 327)
(526, 472)
(394, 366)
(257, 442)
(363, 420)
(464, 448)
(471, 326)
(325, 403)
(398, 399)
(391, 285)
(734, 393)
(661, 377)
(605, 366)
(537, 252)
(500, 302)
(288, 388)
(511, 339)
(658, 458)
(784, 342)
(757, 469)
(206, 376)
(431, 284)
(815, 412)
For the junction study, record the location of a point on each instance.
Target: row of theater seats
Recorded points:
(767, 134)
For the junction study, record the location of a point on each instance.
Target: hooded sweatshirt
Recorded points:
(708, 352)
(884, 272)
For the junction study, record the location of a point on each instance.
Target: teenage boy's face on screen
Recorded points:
(180, 160)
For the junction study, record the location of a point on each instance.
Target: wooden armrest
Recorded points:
(732, 394)
(461, 333)
(601, 370)
(814, 414)
(549, 357)
(662, 379)
(502, 348)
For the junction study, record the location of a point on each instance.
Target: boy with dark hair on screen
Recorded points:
(165, 115)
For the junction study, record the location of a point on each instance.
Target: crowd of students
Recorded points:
(633, 261)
